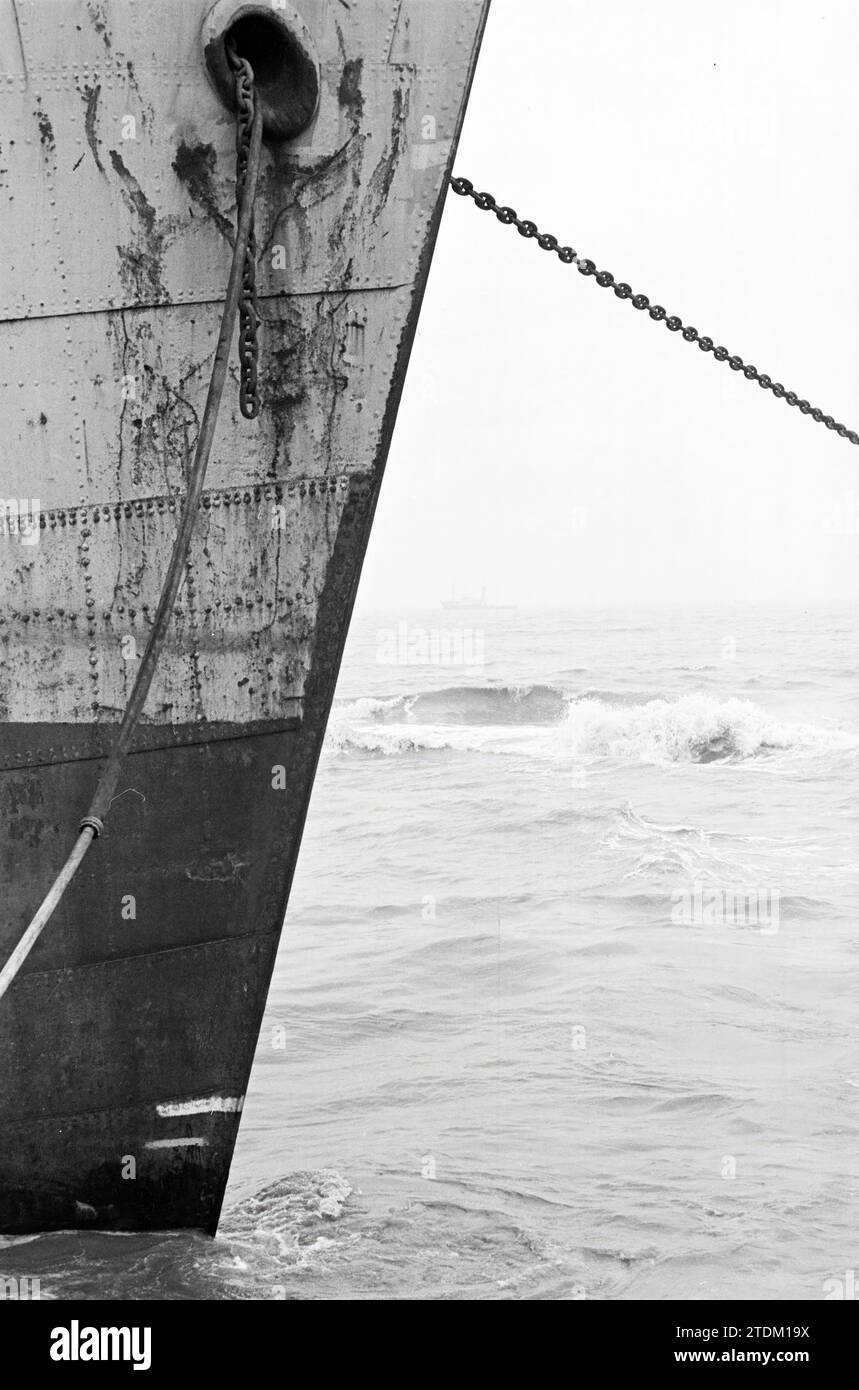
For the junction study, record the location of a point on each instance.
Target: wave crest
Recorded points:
(694, 729)
(549, 722)
(465, 704)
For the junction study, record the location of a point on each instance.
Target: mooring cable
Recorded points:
(93, 822)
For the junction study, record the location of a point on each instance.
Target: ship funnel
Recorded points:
(278, 46)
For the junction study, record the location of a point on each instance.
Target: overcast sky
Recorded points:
(553, 443)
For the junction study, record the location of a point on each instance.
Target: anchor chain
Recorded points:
(508, 217)
(249, 401)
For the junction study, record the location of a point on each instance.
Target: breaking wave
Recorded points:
(695, 729)
(547, 721)
(486, 704)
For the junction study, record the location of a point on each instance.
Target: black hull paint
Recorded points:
(112, 1017)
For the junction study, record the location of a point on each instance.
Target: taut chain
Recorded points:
(604, 278)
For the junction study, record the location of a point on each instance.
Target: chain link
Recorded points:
(249, 401)
(604, 278)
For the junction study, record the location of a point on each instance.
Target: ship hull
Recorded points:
(150, 994)
(127, 1040)
(127, 1045)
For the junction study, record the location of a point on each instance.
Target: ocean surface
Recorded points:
(567, 1004)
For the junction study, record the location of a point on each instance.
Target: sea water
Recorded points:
(567, 1004)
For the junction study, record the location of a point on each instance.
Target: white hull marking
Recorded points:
(204, 1105)
(177, 1143)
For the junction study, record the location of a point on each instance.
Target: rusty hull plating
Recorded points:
(127, 1042)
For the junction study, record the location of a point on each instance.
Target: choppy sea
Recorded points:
(567, 1004)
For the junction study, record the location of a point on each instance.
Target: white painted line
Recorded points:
(177, 1143)
(204, 1105)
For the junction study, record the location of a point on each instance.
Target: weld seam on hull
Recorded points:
(214, 304)
(240, 494)
(200, 734)
(67, 970)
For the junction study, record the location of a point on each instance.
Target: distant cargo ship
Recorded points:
(464, 604)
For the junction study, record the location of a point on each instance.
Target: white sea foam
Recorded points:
(695, 728)
(692, 728)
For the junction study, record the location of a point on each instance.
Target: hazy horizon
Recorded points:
(627, 604)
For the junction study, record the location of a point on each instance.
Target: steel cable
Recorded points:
(92, 823)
